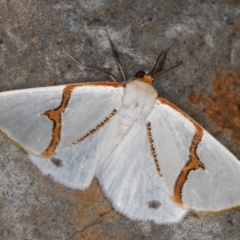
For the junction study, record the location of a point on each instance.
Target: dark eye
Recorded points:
(140, 74)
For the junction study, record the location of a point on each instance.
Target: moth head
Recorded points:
(157, 69)
(144, 77)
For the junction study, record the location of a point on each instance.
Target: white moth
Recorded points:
(152, 160)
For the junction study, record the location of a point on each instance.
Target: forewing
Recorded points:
(131, 180)
(21, 116)
(44, 121)
(199, 172)
(218, 185)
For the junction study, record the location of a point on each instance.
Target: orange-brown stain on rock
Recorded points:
(91, 210)
(223, 106)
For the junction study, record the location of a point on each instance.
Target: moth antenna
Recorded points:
(155, 65)
(164, 53)
(90, 68)
(116, 56)
(161, 72)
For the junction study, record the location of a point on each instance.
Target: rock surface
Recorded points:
(32, 35)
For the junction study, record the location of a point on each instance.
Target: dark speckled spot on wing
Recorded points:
(154, 204)
(57, 162)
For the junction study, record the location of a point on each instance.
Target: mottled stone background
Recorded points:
(206, 86)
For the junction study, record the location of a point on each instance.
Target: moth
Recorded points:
(153, 161)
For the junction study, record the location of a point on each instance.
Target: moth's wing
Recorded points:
(132, 182)
(198, 171)
(65, 129)
(76, 166)
(44, 121)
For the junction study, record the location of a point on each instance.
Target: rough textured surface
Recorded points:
(32, 34)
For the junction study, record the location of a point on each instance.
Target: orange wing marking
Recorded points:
(107, 119)
(152, 149)
(55, 114)
(194, 162)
